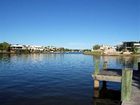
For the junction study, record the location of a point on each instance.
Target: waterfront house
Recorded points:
(17, 48)
(131, 46)
(109, 50)
(34, 48)
(137, 47)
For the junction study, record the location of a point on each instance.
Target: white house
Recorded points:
(109, 50)
(35, 48)
(17, 47)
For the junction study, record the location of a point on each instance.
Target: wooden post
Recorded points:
(96, 71)
(96, 82)
(96, 88)
(126, 87)
(139, 66)
(105, 65)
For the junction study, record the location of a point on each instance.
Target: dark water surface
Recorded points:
(53, 79)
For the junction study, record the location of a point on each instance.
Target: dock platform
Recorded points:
(123, 76)
(129, 79)
(113, 75)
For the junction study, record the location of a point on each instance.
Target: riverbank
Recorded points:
(99, 53)
(41, 53)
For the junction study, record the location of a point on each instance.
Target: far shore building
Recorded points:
(17, 47)
(131, 46)
(35, 48)
(108, 50)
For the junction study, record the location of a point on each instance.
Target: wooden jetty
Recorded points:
(123, 76)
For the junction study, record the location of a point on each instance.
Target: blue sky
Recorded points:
(69, 23)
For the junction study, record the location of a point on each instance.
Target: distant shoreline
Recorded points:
(43, 53)
(85, 53)
(99, 54)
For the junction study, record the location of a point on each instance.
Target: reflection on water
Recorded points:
(5, 57)
(119, 61)
(53, 79)
(107, 97)
(113, 61)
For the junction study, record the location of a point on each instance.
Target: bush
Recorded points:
(5, 46)
(96, 47)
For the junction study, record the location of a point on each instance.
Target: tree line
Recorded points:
(6, 48)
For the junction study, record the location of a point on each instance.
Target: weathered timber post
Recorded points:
(96, 71)
(96, 82)
(96, 92)
(104, 68)
(105, 65)
(139, 66)
(126, 87)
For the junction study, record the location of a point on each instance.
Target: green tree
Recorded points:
(96, 47)
(4, 46)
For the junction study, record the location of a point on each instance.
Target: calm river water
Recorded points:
(53, 79)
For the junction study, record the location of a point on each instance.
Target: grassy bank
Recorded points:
(101, 54)
(92, 52)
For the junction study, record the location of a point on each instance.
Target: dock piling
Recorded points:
(104, 68)
(126, 88)
(96, 82)
(96, 71)
(105, 65)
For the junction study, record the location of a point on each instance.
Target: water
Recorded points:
(53, 79)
